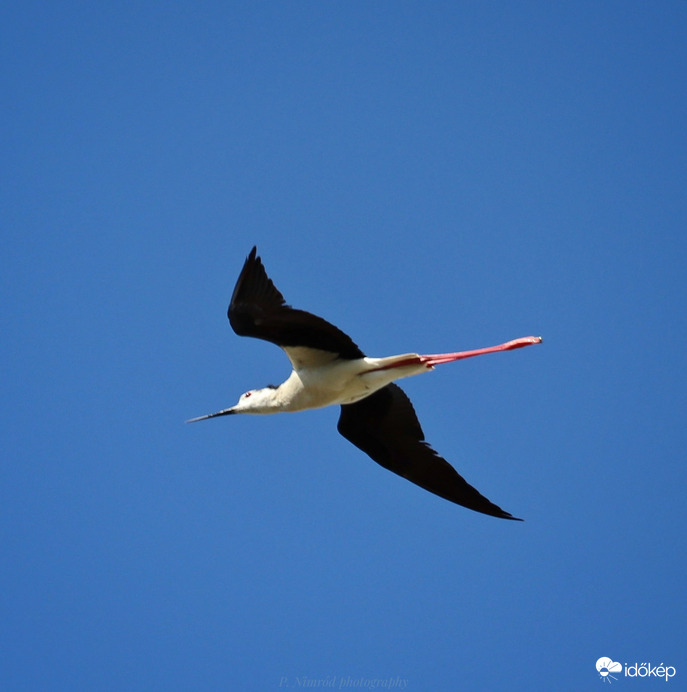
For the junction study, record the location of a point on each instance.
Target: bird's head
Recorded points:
(253, 401)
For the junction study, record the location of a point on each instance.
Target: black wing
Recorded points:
(384, 425)
(258, 309)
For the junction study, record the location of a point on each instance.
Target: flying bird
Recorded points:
(328, 368)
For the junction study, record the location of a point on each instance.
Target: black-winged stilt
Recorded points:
(328, 368)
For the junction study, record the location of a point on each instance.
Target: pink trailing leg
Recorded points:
(439, 358)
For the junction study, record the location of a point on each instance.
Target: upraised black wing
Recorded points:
(258, 309)
(385, 427)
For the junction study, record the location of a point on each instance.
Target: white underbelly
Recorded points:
(344, 383)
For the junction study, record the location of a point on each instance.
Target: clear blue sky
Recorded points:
(429, 176)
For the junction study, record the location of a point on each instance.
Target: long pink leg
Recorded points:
(439, 358)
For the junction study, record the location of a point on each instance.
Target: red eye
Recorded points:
(247, 394)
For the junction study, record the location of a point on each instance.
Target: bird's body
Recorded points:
(329, 369)
(318, 380)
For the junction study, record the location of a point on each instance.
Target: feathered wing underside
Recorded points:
(385, 427)
(259, 310)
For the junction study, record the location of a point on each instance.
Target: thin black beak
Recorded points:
(225, 412)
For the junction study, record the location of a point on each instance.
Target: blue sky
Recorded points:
(427, 176)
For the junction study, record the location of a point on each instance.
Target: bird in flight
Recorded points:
(328, 368)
